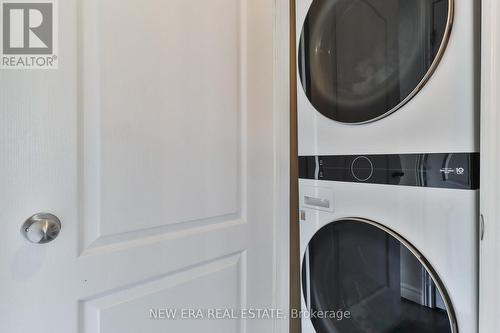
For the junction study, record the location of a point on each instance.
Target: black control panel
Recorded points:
(438, 170)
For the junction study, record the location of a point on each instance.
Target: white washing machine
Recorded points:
(387, 76)
(389, 243)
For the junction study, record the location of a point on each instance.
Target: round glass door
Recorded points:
(360, 60)
(379, 282)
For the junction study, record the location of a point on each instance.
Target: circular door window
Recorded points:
(375, 279)
(360, 60)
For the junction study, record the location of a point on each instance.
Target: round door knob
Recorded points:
(41, 228)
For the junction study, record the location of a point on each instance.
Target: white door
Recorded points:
(154, 144)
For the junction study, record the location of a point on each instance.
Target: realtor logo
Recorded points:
(29, 34)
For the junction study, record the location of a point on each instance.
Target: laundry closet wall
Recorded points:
(489, 307)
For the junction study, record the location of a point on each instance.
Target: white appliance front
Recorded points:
(396, 258)
(387, 76)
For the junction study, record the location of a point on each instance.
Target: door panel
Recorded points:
(222, 277)
(160, 156)
(142, 143)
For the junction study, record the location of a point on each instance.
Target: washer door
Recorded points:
(360, 60)
(359, 277)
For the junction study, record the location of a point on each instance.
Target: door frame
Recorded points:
(282, 82)
(294, 239)
(489, 227)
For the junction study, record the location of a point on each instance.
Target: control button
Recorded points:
(362, 168)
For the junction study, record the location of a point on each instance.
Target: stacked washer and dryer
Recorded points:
(388, 165)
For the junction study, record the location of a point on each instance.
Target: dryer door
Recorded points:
(359, 277)
(360, 60)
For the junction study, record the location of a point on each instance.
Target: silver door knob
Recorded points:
(41, 228)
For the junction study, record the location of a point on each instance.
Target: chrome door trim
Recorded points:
(308, 280)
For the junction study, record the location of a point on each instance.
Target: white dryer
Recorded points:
(389, 243)
(387, 76)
